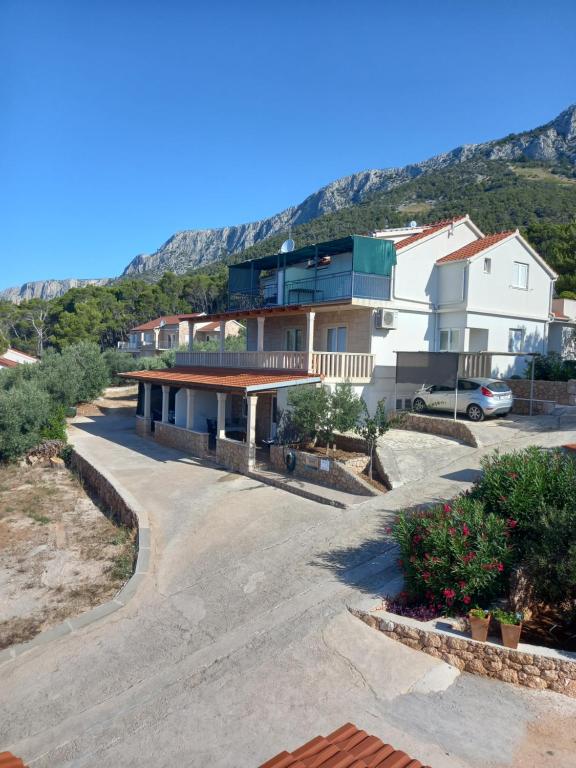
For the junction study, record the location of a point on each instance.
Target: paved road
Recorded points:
(238, 643)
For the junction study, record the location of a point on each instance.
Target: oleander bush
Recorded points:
(453, 555)
(520, 487)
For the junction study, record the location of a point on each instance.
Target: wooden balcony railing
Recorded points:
(341, 366)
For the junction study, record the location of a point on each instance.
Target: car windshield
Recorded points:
(498, 386)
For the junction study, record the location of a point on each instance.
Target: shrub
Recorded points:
(551, 367)
(24, 411)
(452, 555)
(118, 362)
(55, 427)
(310, 407)
(550, 555)
(517, 486)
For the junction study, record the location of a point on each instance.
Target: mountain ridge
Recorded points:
(553, 142)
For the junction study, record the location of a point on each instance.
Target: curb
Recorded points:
(139, 518)
(296, 491)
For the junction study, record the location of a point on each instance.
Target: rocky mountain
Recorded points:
(554, 142)
(46, 289)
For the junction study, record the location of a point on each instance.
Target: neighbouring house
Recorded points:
(13, 357)
(171, 331)
(339, 311)
(562, 332)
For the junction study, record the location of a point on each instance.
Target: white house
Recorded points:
(13, 357)
(171, 331)
(562, 331)
(340, 311)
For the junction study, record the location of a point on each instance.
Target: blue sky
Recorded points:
(124, 121)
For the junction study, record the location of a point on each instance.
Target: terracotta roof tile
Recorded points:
(6, 363)
(347, 747)
(476, 247)
(167, 319)
(7, 760)
(220, 379)
(429, 230)
(215, 326)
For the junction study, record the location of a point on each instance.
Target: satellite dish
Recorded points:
(287, 246)
(413, 224)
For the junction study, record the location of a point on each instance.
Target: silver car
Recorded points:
(477, 398)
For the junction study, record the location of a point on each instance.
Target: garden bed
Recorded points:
(60, 555)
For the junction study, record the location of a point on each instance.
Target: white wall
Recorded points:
(451, 279)
(494, 292)
(414, 274)
(205, 407)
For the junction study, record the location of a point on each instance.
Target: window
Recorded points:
(336, 339)
(467, 386)
(487, 266)
(294, 339)
(450, 340)
(520, 275)
(516, 340)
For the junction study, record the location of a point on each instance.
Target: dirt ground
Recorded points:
(59, 553)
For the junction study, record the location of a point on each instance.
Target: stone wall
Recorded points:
(560, 392)
(530, 669)
(434, 425)
(143, 426)
(195, 443)
(324, 471)
(232, 454)
(104, 491)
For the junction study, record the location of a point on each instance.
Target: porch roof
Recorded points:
(223, 379)
(280, 309)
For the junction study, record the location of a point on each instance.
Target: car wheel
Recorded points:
(418, 406)
(475, 413)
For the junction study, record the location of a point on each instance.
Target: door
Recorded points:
(337, 339)
(441, 398)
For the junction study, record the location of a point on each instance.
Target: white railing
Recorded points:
(292, 361)
(343, 366)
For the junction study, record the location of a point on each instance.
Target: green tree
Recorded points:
(371, 428)
(24, 411)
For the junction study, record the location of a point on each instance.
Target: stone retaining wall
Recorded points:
(434, 425)
(104, 490)
(324, 471)
(232, 454)
(195, 443)
(143, 426)
(560, 392)
(532, 670)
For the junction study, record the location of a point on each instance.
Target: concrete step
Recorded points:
(307, 489)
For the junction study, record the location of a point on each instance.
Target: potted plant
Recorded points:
(479, 622)
(510, 627)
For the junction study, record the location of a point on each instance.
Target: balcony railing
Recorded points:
(315, 289)
(341, 366)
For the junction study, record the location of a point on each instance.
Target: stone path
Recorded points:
(238, 643)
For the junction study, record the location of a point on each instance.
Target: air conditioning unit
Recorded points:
(386, 319)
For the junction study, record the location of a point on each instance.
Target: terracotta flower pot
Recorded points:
(479, 627)
(510, 634)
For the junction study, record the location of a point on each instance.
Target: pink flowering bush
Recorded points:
(453, 555)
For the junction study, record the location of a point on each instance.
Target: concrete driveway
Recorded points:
(239, 645)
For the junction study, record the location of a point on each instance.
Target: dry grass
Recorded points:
(59, 553)
(541, 174)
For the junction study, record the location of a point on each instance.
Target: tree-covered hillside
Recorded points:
(540, 200)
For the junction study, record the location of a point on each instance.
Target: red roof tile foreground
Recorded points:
(429, 230)
(6, 363)
(476, 247)
(347, 747)
(7, 760)
(223, 379)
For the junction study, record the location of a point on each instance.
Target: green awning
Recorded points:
(373, 256)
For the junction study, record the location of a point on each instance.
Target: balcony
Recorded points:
(315, 289)
(336, 270)
(356, 367)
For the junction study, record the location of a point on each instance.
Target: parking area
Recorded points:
(238, 643)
